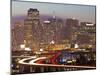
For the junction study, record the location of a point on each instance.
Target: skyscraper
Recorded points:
(31, 28)
(72, 25)
(17, 35)
(87, 33)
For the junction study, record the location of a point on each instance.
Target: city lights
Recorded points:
(46, 21)
(52, 41)
(27, 49)
(41, 49)
(22, 46)
(76, 46)
(89, 24)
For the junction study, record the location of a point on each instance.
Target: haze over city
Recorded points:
(49, 37)
(80, 12)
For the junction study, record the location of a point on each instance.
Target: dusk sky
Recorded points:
(80, 12)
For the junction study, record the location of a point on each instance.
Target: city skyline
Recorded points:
(49, 37)
(55, 29)
(81, 12)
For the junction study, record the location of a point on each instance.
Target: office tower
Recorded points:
(31, 28)
(59, 30)
(72, 25)
(87, 33)
(47, 33)
(17, 35)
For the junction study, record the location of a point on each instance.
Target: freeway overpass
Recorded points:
(35, 66)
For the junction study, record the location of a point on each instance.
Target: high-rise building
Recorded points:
(31, 28)
(87, 33)
(47, 34)
(59, 29)
(72, 25)
(49, 28)
(17, 36)
(13, 41)
(52, 30)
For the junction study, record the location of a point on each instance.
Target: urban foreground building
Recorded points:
(51, 37)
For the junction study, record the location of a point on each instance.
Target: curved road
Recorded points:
(34, 59)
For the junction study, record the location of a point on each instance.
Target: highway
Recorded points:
(34, 62)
